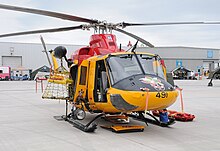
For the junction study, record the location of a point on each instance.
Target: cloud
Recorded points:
(118, 11)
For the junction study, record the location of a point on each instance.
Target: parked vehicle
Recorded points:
(21, 78)
(5, 73)
(183, 73)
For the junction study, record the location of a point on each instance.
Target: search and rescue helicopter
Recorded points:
(105, 79)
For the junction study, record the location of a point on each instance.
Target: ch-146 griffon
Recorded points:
(103, 78)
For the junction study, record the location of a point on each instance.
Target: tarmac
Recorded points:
(27, 123)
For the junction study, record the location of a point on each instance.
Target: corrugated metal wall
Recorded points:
(190, 57)
(33, 57)
(189, 64)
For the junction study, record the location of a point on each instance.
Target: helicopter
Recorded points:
(103, 78)
(214, 75)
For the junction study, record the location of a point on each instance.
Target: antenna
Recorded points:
(45, 50)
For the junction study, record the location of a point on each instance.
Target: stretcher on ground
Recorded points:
(178, 116)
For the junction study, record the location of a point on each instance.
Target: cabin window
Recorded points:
(1, 71)
(101, 82)
(73, 72)
(83, 75)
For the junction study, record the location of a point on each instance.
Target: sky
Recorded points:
(138, 11)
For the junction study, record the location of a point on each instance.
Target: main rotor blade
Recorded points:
(48, 13)
(135, 37)
(124, 24)
(42, 31)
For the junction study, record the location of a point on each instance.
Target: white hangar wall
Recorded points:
(30, 54)
(189, 57)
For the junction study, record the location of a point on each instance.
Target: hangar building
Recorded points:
(30, 55)
(25, 56)
(189, 57)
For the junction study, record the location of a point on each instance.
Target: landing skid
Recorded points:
(89, 127)
(140, 116)
(92, 126)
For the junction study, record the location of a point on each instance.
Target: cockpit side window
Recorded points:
(101, 82)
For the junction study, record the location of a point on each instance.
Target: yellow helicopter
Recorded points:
(105, 79)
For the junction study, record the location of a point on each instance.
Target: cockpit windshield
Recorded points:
(126, 65)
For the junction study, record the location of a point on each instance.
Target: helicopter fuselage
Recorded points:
(116, 83)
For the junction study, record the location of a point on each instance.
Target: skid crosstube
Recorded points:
(140, 116)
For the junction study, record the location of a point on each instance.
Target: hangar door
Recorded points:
(207, 65)
(12, 61)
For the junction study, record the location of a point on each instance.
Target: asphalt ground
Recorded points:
(27, 123)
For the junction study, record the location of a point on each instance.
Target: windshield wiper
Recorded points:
(138, 61)
(134, 47)
(147, 58)
(126, 56)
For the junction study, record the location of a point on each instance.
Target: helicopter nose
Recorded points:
(120, 103)
(138, 82)
(141, 100)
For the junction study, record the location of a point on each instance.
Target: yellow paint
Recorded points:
(64, 81)
(81, 88)
(135, 98)
(55, 64)
(138, 98)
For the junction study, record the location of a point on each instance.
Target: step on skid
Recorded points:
(124, 128)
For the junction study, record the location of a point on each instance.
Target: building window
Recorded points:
(209, 54)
